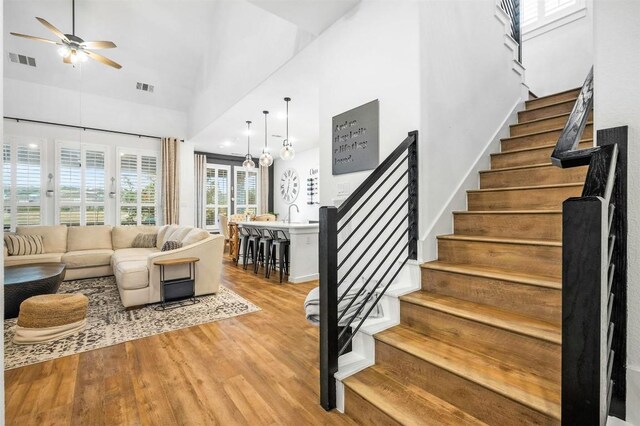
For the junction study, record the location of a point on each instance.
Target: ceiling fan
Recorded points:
(73, 49)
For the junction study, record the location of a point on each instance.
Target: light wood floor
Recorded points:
(259, 368)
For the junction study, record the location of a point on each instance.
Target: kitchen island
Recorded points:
(303, 249)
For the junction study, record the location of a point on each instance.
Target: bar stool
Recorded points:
(263, 251)
(251, 245)
(243, 241)
(280, 251)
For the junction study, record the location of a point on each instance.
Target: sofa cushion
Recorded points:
(33, 258)
(195, 235)
(123, 236)
(87, 258)
(54, 238)
(129, 254)
(132, 275)
(162, 234)
(21, 245)
(89, 238)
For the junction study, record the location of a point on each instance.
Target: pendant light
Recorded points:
(266, 159)
(287, 152)
(248, 163)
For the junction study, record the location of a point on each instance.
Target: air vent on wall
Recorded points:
(22, 59)
(144, 87)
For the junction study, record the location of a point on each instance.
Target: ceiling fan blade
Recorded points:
(35, 38)
(53, 29)
(102, 59)
(98, 45)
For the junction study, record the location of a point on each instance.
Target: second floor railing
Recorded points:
(512, 8)
(364, 244)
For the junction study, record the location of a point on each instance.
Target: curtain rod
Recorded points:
(73, 126)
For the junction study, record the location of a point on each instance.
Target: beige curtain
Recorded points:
(200, 178)
(171, 180)
(264, 190)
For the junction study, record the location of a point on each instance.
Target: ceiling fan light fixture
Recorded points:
(64, 51)
(82, 55)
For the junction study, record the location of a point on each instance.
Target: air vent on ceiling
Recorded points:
(22, 59)
(144, 87)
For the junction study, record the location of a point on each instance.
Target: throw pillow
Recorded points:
(171, 245)
(145, 241)
(22, 245)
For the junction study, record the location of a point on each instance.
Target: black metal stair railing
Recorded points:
(364, 244)
(594, 272)
(512, 8)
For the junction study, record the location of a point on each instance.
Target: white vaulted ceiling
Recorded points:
(202, 56)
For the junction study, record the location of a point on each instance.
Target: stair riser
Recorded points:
(541, 139)
(548, 111)
(510, 296)
(553, 99)
(544, 226)
(467, 395)
(523, 258)
(515, 350)
(522, 199)
(541, 125)
(363, 412)
(550, 175)
(526, 158)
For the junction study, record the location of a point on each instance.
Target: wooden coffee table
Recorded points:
(23, 281)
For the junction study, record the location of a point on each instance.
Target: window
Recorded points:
(138, 190)
(538, 13)
(246, 190)
(22, 162)
(81, 171)
(216, 194)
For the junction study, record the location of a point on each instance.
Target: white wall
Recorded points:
(371, 53)
(617, 90)
(1, 261)
(560, 58)
(468, 89)
(302, 163)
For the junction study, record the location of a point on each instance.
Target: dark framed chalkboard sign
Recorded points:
(355, 143)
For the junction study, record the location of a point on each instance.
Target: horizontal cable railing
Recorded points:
(364, 245)
(594, 272)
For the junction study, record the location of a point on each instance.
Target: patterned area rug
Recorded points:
(108, 323)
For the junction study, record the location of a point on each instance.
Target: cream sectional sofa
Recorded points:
(96, 251)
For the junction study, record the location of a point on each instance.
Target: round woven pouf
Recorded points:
(50, 317)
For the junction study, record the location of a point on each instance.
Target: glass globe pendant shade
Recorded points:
(64, 51)
(287, 152)
(248, 163)
(266, 159)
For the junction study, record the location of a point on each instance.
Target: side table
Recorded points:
(174, 291)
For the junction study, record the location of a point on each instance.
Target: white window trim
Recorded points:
(234, 191)
(139, 152)
(556, 20)
(13, 141)
(216, 205)
(107, 167)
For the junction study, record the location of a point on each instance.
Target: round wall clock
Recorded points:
(289, 185)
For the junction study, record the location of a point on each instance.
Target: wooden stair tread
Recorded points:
(503, 240)
(555, 94)
(527, 166)
(535, 108)
(536, 120)
(540, 132)
(527, 389)
(494, 273)
(487, 315)
(535, 148)
(406, 405)
(508, 212)
(520, 188)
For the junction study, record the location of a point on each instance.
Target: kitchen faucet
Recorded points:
(297, 209)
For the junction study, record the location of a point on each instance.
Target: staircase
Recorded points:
(480, 343)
